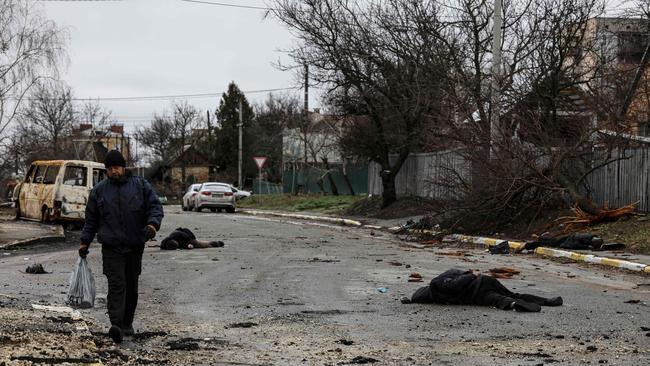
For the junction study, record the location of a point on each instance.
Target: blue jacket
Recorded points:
(118, 212)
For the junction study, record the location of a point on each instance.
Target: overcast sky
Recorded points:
(169, 47)
(139, 48)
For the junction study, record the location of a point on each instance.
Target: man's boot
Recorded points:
(128, 331)
(116, 334)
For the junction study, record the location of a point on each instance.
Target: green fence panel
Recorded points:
(306, 180)
(264, 187)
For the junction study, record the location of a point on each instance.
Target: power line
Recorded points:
(226, 4)
(164, 97)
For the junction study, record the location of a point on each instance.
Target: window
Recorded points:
(30, 174)
(98, 175)
(39, 173)
(75, 176)
(51, 173)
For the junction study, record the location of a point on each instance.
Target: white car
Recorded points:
(239, 194)
(215, 196)
(188, 198)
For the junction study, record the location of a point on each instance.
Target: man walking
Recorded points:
(124, 212)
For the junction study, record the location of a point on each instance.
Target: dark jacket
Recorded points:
(119, 211)
(181, 235)
(450, 287)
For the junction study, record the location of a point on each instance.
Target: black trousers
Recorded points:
(488, 291)
(122, 269)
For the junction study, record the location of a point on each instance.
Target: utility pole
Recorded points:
(210, 148)
(495, 97)
(240, 125)
(306, 112)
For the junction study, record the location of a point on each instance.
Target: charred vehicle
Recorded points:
(57, 190)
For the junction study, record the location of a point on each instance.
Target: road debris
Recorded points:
(360, 360)
(501, 248)
(503, 272)
(415, 277)
(35, 268)
(241, 325)
(382, 290)
(184, 344)
(345, 342)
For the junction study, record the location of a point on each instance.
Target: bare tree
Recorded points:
(46, 120)
(557, 94)
(31, 49)
(158, 139)
(185, 118)
(381, 60)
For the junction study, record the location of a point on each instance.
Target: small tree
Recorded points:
(277, 113)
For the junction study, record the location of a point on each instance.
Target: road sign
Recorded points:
(259, 160)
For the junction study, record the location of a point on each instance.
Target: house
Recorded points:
(92, 143)
(319, 137)
(193, 165)
(323, 168)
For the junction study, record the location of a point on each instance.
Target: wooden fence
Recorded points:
(624, 181)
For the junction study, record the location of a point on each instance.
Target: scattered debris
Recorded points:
(147, 335)
(345, 342)
(316, 259)
(360, 360)
(36, 268)
(242, 325)
(583, 219)
(503, 272)
(645, 329)
(185, 344)
(635, 301)
(395, 263)
(53, 360)
(457, 253)
(415, 277)
(382, 290)
(501, 248)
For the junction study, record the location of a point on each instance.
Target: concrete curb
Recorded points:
(550, 252)
(335, 220)
(58, 235)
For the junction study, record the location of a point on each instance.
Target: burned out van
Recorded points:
(57, 190)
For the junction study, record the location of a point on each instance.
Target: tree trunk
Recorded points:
(390, 194)
(335, 190)
(347, 178)
(583, 203)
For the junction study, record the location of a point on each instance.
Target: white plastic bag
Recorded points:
(81, 293)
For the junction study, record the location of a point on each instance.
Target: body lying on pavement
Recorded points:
(183, 238)
(462, 287)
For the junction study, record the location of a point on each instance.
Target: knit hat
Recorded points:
(114, 158)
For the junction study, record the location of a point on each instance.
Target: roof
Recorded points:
(67, 162)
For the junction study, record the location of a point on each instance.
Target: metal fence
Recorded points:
(620, 183)
(433, 175)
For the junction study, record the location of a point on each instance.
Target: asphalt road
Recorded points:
(283, 292)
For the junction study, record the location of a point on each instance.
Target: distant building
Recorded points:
(92, 143)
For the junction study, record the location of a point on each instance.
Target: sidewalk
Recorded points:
(629, 261)
(14, 233)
